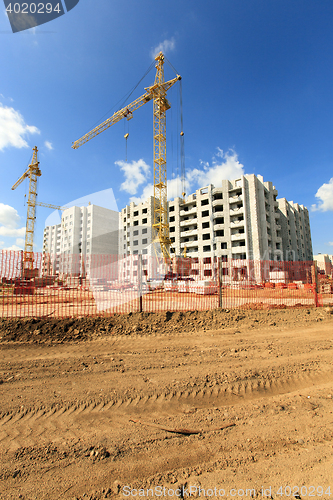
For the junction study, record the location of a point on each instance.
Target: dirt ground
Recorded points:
(225, 404)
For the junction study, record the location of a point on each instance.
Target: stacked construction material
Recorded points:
(203, 287)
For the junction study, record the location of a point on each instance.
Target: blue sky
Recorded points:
(257, 88)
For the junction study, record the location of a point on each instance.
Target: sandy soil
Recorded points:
(88, 406)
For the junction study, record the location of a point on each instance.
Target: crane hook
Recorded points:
(126, 137)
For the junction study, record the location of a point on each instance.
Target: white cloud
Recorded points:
(9, 216)
(330, 243)
(136, 173)
(20, 242)
(9, 222)
(13, 129)
(12, 233)
(224, 166)
(13, 247)
(48, 145)
(165, 46)
(148, 191)
(325, 195)
(174, 188)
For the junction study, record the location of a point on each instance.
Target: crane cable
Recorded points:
(123, 100)
(25, 184)
(173, 69)
(182, 147)
(126, 135)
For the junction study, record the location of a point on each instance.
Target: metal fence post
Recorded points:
(220, 280)
(315, 282)
(140, 282)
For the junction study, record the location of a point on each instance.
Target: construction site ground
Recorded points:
(224, 403)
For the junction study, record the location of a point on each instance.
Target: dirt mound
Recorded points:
(33, 330)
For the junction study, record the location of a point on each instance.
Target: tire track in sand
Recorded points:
(40, 425)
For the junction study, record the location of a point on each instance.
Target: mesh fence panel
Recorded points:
(101, 285)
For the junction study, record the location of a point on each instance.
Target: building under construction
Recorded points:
(238, 221)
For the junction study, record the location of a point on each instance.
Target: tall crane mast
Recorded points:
(158, 93)
(33, 172)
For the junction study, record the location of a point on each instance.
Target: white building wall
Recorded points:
(296, 232)
(135, 238)
(324, 263)
(84, 231)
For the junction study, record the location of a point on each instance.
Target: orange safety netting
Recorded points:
(74, 285)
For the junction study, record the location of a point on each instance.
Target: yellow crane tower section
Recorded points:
(33, 172)
(158, 93)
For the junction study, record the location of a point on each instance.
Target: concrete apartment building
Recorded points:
(241, 219)
(324, 263)
(295, 231)
(135, 238)
(84, 231)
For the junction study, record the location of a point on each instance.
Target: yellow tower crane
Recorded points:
(33, 172)
(158, 93)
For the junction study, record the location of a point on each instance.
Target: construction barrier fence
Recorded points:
(75, 285)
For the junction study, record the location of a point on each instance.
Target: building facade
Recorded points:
(135, 238)
(82, 233)
(295, 231)
(324, 263)
(241, 220)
